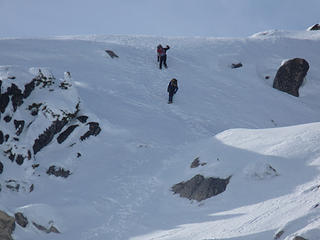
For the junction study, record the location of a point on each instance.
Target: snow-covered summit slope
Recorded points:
(120, 186)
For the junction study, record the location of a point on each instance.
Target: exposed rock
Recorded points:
(10, 155)
(28, 88)
(236, 65)
(54, 229)
(45, 138)
(78, 155)
(1, 167)
(17, 96)
(34, 166)
(7, 118)
(290, 76)
(65, 85)
(299, 238)
(19, 159)
(58, 172)
(65, 134)
(82, 119)
(200, 188)
(7, 226)
(4, 101)
(1, 137)
(43, 81)
(6, 137)
(19, 125)
(112, 54)
(21, 219)
(44, 229)
(34, 108)
(19, 186)
(314, 27)
(94, 129)
(13, 185)
(279, 234)
(195, 163)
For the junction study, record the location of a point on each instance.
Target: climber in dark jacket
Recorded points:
(172, 89)
(162, 52)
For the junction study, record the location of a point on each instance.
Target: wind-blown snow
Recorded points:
(232, 119)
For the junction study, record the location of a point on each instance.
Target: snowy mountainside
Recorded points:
(120, 185)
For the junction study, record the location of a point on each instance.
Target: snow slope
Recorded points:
(120, 186)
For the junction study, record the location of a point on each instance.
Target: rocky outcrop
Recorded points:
(7, 226)
(196, 163)
(46, 137)
(32, 115)
(290, 76)
(200, 188)
(21, 219)
(4, 101)
(278, 235)
(112, 54)
(94, 130)
(298, 238)
(63, 136)
(236, 65)
(82, 119)
(58, 172)
(1, 137)
(314, 27)
(52, 228)
(19, 125)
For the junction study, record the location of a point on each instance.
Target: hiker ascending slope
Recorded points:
(172, 89)
(162, 53)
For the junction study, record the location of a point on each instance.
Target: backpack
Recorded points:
(159, 49)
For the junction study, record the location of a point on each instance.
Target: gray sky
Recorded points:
(216, 18)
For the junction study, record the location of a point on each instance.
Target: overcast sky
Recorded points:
(216, 18)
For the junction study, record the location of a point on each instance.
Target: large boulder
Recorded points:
(7, 226)
(21, 219)
(290, 76)
(200, 188)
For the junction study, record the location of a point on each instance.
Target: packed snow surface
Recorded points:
(232, 119)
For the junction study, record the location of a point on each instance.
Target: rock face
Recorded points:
(63, 136)
(200, 188)
(7, 226)
(290, 76)
(44, 106)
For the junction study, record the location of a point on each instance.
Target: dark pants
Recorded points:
(170, 96)
(163, 59)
